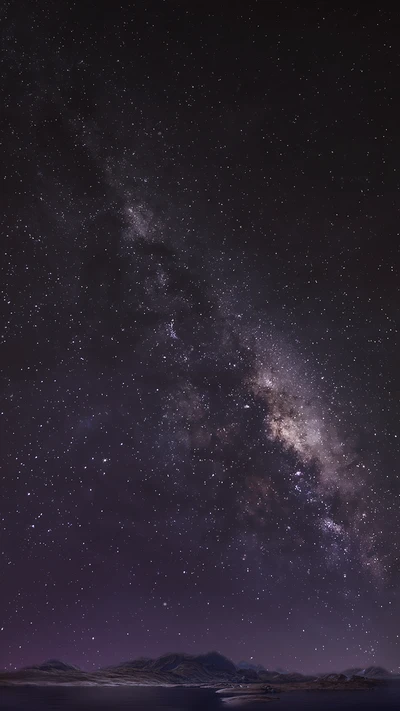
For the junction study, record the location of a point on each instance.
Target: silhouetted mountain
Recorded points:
(140, 663)
(371, 672)
(217, 662)
(53, 665)
(353, 671)
(333, 677)
(249, 665)
(178, 667)
(376, 673)
(278, 676)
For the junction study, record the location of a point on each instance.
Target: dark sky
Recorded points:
(199, 353)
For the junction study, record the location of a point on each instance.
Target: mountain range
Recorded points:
(179, 668)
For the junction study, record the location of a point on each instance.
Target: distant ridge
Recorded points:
(183, 666)
(372, 672)
(53, 665)
(249, 665)
(178, 668)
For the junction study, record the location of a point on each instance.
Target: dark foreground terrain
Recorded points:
(62, 698)
(184, 682)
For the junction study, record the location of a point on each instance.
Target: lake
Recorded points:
(181, 699)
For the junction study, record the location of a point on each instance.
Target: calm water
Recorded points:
(157, 699)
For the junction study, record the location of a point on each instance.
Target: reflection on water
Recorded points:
(107, 698)
(158, 699)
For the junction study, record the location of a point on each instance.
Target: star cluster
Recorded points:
(200, 323)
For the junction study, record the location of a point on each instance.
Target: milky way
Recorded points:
(200, 330)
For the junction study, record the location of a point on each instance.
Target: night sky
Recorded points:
(200, 310)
